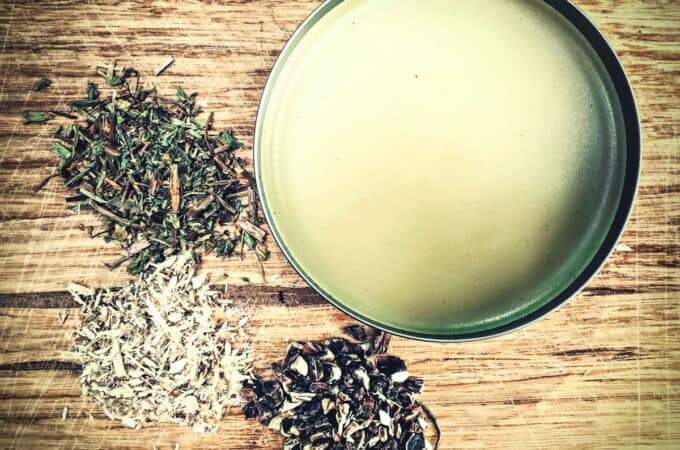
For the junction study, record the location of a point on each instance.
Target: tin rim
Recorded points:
(633, 139)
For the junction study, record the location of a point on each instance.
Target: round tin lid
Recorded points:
(447, 170)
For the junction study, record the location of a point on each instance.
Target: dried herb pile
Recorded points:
(162, 180)
(165, 348)
(340, 395)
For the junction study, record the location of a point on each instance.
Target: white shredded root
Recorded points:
(165, 348)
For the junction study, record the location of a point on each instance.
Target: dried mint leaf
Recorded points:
(155, 171)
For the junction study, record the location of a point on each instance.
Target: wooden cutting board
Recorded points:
(603, 371)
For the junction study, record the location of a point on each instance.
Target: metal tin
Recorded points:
(631, 125)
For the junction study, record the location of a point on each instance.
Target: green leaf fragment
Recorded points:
(114, 81)
(174, 221)
(227, 138)
(138, 262)
(120, 233)
(249, 240)
(41, 84)
(181, 95)
(92, 195)
(92, 92)
(83, 103)
(195, 134)
(61, 150)
(37, 116)
(224, 247)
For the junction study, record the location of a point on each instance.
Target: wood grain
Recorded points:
(602, 372)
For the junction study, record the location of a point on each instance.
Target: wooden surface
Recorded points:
(602, 372)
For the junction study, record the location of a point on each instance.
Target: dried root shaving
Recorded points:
(165, 348)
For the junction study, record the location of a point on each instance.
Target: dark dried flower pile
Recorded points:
(341, 395)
